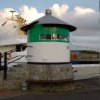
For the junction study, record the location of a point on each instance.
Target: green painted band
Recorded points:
(37, 29)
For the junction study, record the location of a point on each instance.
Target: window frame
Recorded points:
(58, 37)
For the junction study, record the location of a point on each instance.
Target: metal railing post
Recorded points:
(5, 66)
(0, 60)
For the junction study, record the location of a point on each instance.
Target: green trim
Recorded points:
(50, 41)
(37, 29)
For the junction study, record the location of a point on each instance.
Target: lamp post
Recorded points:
(99, 41)
(12, 11)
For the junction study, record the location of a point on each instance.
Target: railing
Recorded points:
(15, 59)
(4, 64)
(4, 67)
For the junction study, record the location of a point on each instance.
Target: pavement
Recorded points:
(6, 93)
(91, 91)
(86, 95)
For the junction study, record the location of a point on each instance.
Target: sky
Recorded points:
(84, 14)
(41, 5)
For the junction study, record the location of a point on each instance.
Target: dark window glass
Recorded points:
(20, 47)
(62, 37)
(48, 36)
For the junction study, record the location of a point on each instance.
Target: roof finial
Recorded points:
(48, 11)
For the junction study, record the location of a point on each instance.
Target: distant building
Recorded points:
(84, 56)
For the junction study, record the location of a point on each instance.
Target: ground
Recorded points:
(87, 95)
(81, 90)
(10, 92)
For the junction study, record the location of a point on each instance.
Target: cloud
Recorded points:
(30, 13)
(81, 11)
(87, 22)
(85, 19)
(59, 10)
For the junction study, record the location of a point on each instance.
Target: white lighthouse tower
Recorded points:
(48, 48)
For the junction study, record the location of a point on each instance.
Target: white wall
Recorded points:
(86, 71)
(48, 52)
(6, 48)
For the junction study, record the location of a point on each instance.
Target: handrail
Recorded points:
(12, 58)
(15, 60)
(10, 51)
(13, 50)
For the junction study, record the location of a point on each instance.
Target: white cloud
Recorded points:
(59, 10)
(80, 11)
(30, 13)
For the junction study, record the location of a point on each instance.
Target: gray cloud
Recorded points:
(88, 28)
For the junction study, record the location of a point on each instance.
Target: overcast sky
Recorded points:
(84, 14)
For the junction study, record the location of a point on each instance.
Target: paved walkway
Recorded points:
(90, 92)
(5, 93)
(89, 95)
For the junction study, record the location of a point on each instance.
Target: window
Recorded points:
(54, 36)
(20, 47)
(48, 37)
(62, 37)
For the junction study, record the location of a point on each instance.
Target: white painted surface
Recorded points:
(86, 71)
(6, 48)
(48, 52)
(12, 40)
(14, 56)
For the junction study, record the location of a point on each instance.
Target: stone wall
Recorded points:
(50, 71)
(15, 77)
(19, 74)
